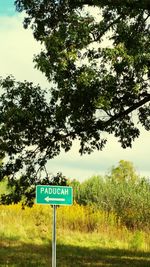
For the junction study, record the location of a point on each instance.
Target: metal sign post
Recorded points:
(54, 237)
(54, 195)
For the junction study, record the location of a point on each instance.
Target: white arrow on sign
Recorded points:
(48, 199)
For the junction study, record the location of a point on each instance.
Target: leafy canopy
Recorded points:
(96, 57)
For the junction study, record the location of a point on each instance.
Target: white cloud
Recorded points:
(17, 47)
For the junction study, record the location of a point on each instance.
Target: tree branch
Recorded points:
(106, 29)
(123, 113)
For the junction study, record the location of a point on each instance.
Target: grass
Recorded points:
(25, 239)
(39, 255)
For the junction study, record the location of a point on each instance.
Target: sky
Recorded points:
(17, 48)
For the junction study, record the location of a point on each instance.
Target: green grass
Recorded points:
(25, 240)
(39, 255)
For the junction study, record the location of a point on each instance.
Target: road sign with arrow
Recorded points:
(54, 195)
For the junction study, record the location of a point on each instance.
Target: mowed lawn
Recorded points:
(25, 240)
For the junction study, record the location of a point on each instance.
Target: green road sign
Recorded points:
(54, 195)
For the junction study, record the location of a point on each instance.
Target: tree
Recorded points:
(95, 88)
(124, 172)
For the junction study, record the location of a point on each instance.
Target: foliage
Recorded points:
(96, 88)
(76, 188)
(98, 68)
(128, 198)
(125, 171)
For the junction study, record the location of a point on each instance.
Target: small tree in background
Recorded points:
(125, 171)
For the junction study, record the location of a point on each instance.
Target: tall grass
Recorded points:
(35, 225)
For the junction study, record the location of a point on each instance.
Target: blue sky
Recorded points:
(17, 48)
(7, 8)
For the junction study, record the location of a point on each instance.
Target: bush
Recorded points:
(129, 200)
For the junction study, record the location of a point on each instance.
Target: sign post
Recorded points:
(54, 238)
(54, 195)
